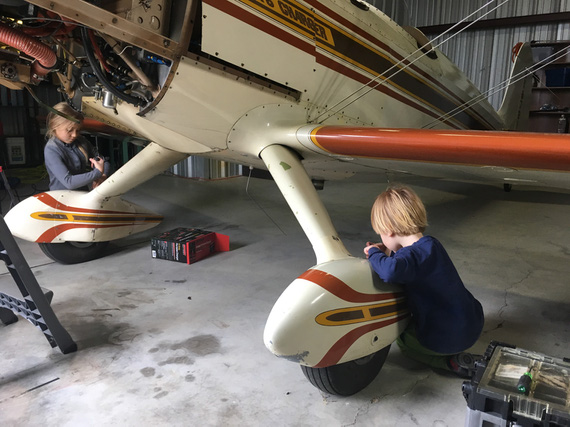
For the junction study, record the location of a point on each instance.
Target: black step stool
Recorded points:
(35, 305)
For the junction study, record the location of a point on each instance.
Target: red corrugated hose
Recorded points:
(44, 56)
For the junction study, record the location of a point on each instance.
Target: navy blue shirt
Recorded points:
(447, 317)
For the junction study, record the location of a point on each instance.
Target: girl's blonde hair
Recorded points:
(398, 210)
(55, 120)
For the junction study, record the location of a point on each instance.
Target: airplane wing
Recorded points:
(517, 150)
(496, 157)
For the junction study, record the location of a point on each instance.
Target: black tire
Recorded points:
(347, 378)
(74, 252)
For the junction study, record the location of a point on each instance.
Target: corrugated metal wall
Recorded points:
(17, 107)
(484, 55)
(199, 167)
(22, 116)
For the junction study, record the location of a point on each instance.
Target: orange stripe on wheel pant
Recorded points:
(49, 235)
(343, 344)
(341, 290)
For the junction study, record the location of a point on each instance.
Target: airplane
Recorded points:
(311, 90)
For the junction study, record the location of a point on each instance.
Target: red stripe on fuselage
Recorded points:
(342, 69)
(367, 36)
(261, 24)
(309, 47)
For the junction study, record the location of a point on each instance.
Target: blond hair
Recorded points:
(398, 210)
(55, 120)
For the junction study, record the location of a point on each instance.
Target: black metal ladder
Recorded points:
(35, 305)
(8, 189)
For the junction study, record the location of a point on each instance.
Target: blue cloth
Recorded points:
(447, 317)
(67, 166)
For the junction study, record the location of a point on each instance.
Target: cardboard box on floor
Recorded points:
(188, 245)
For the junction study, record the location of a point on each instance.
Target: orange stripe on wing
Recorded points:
(519, 150)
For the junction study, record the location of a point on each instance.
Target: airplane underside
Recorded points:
(272, 85)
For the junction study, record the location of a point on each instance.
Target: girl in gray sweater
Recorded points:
(71, 161)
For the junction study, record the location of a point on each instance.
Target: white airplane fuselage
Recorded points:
(208, 110)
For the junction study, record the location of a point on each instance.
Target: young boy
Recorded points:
(446, 319)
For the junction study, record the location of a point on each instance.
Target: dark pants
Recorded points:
(411, 347)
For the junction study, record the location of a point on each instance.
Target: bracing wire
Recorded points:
(258, 205)
(396, 65)
(500, 86)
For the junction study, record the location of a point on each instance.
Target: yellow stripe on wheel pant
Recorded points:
(360, 314)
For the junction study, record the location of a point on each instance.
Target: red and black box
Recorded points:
(188, 245)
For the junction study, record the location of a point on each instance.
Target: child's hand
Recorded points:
(98, 182)
(380, 246)
(98, 163)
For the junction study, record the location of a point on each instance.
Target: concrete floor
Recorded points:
(167, 344)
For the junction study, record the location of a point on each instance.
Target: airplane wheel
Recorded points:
(73, 252)
(347, 378)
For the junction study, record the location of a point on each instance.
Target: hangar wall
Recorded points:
(483, 54)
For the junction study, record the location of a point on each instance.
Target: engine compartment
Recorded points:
(127, 57)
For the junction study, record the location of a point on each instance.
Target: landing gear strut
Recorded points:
(334, 286)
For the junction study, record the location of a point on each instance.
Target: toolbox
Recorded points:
(188, 245)
(515, 387)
